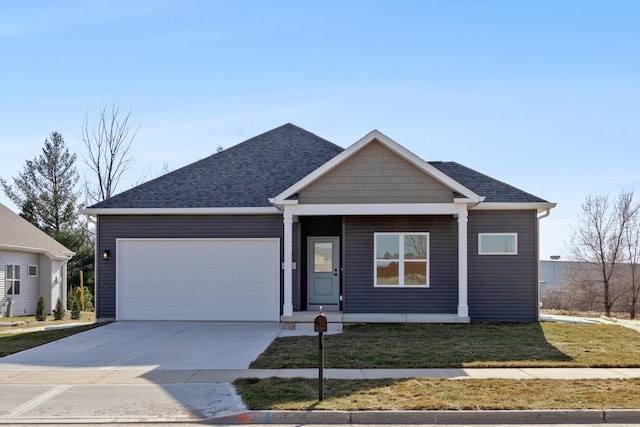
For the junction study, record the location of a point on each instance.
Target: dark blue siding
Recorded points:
(503, 288)
(360, 294)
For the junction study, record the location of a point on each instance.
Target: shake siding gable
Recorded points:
(503, 288)
(375, 174)
(113, 227)
(360, 294)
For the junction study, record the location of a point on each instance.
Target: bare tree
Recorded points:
(108, 140)
(632, 240)
(600, 237)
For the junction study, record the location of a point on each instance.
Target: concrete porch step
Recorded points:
(303, 320)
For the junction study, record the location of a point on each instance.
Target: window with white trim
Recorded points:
(32, 270)
(12, 279)
(401, 259)
(497, 243)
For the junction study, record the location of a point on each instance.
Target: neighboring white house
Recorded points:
(32, 264)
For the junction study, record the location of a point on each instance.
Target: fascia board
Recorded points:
(181, 211)
(64, 257)
(493, 206)
(393, 146)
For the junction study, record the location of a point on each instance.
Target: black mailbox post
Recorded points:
(320, 326)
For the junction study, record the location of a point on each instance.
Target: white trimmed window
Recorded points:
(32, 270)
(12, 279)
(497, 243)
(401, 260)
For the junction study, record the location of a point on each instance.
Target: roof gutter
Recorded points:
(546, 214)
(181, 211)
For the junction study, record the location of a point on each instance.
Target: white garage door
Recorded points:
(198, 279)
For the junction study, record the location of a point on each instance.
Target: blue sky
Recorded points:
(544, 95)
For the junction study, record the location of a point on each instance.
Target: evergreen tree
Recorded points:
(41, 316)
(46, 190)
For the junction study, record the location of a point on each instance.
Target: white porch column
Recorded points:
(463, 308)
(287, 307)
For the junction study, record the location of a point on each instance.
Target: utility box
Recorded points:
(320, 323)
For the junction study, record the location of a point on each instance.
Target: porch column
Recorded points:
(287, 307)
(463, 308)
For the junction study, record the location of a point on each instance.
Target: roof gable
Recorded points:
(379, 137)
(16, 233)
(375, 174)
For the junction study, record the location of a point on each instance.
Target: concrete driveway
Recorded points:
(153, 346)
(132, 371)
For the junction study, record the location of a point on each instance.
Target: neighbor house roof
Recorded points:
(248, 174)
(16, 233)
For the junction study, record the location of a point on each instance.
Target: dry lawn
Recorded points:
(459, 346)
(430, 394)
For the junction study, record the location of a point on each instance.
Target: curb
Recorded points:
(591, 416)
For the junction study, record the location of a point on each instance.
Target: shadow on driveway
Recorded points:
(132, 371)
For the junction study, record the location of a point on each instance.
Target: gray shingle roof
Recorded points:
(245, 175)
(248, 174)
(483, 185)
(16, 231)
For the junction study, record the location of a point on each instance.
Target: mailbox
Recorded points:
(320, 323)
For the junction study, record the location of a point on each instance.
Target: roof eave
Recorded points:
(504, 206)
(65, 255)
(259, 210)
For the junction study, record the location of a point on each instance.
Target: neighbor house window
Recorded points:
(32, 271)
(13, 279)
(497, 244)
(402, 259)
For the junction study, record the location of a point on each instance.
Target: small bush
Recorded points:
(75, 309)
(40, 314)
(58, 313)
(79, 297)
(88, 299)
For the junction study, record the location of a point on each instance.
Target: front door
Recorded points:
(323, 273)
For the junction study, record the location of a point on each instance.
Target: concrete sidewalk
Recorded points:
(195, 376)
(95, 396)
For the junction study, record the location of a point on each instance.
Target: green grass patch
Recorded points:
(459, 346)
(442, 394)
(13, 341)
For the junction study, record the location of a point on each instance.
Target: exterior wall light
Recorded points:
(106, 255)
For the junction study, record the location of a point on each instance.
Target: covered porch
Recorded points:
(359, 300)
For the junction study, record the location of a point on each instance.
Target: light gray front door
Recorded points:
(323, 273)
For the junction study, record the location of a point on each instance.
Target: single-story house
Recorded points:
(287, 222)
(32, 264)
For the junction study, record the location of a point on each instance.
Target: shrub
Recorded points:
(75, 309)
(40, 314)
(58, 313)
(70, 296)
(79, 297)
(88, 299)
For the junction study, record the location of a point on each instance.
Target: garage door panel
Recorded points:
(217, 293)
(198, 279)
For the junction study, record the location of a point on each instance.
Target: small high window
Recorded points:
(497, 243)
(32, 271)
